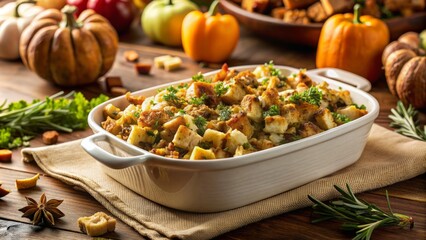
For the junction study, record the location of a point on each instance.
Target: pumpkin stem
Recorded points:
(213, 8)
(357, 14)
(70, 21)
(17, 15)
(170, 2)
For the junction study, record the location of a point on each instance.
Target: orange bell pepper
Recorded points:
(354, 43)
(208, 36)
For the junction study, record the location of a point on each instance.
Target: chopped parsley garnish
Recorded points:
(220, 88)
(272, 70)
(136, 114)
(272, 111)
(183, 85)
(312, 96)
(171, 97)
(246, 145)
(197, 100)
(265, 80)
(181, 112)
(224, 112)
(340, 118)
(205, 145)
(201, 123)
(200, 78)
(362, 107)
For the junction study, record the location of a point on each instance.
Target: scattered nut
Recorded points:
(143, 68)
(172, 64)
(113, 82)
(118, 91)
(97, 224)
(159, 61)
(3, 192)
(27, 182)
(50, 137)
(5, 155)
(131, 56)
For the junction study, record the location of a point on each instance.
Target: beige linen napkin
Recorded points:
(388, 158)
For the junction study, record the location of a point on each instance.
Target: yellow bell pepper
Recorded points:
(208, 36)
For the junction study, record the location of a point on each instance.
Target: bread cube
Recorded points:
(251, 105)
(141, 134)
(276, 138)
(234, 95)
(290, 113)
(270, 97)
(308, 129)
(293, 4)
(306, 111)
(174, 124)
(324, 119)
(352, 112)
(201, 154)
(242, 151)
(234, 139)
(258, 6)
(242, 123)
(215, 137)
(316, 12)
(185, 138)
(337, 6)
(275, 124)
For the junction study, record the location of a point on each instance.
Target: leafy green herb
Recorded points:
(200, 78)
(201, 123)
(220, 88)
(20, 121)
(265, 81)
(406, 123)
(246, 145)
(183, 85)
(340, 118)
(205, 145)
(362, 107)
(171, 97)
(312, 96)
(224, 112)
(358, 215)
(181, 112)
(272, 70)
(198, 100)
(272, 111)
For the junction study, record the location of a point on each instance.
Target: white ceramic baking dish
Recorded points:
(223, 184)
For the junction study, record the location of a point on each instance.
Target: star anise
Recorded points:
(44, 212)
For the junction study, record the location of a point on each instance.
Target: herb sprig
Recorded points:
(312, 96)
(404, 121)
(358, 215)
(20, 121)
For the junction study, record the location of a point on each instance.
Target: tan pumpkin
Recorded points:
(405, 70)
(68, 52)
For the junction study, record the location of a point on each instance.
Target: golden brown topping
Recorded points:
(97, 224)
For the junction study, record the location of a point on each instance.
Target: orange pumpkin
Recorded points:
(69, 52)
(354, 43)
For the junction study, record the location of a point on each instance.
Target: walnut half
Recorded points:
(97, 224)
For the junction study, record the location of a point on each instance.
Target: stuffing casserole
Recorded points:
(231, 114)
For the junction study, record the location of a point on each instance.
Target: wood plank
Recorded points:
(296, 224)
(76, 203)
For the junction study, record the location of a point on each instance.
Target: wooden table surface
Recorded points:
(16, 82)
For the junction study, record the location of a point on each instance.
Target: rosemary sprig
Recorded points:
(404, 121)
(358, 215)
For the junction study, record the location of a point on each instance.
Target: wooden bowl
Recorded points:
(308, 34)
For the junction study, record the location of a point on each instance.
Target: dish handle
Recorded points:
(343, 76)
(107, 158)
